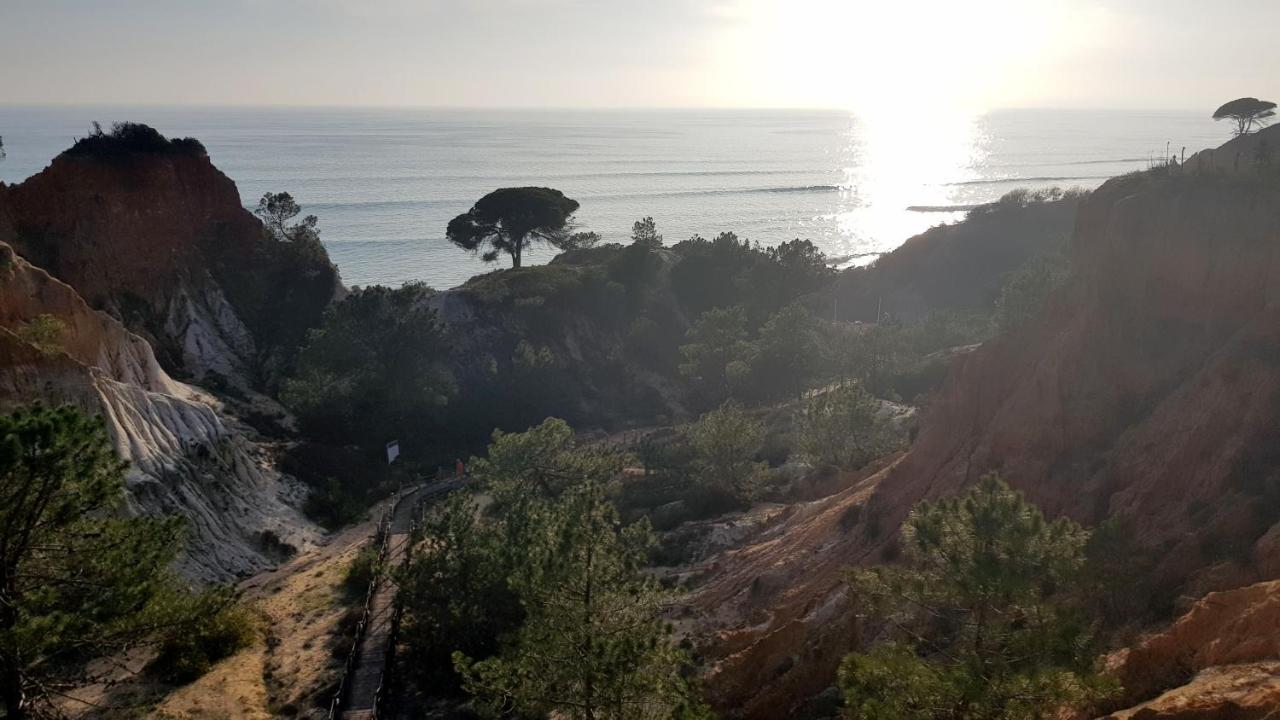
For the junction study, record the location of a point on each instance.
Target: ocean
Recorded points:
(385, 182)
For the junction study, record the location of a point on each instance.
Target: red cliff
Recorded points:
(1149, 390)
(160, 239)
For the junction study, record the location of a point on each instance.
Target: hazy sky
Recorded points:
(635, 53)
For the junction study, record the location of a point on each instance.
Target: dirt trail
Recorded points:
(302, 603)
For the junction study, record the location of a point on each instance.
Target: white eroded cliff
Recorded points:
(186, 457)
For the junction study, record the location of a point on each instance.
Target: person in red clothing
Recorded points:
(459, 469)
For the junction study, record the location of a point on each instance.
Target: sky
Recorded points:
(855, 54)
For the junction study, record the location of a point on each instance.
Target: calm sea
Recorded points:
(386, 182)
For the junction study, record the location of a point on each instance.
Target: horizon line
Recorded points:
(563, 108)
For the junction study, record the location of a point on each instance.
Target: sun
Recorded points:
(901, 55)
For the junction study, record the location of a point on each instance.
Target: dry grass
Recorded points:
(290, 669)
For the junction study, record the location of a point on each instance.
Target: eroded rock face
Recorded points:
(772, 615)
(1149, 391)
(186, 457)
(162, 242)
(1220, 660)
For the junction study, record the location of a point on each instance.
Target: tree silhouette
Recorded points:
(1246, 112)
(510, 218)
(276, 210)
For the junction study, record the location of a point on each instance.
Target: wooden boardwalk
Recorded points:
(364, 684)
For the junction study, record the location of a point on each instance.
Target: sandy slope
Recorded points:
(290, 669)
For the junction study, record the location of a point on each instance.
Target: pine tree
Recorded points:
(842, 427)
(980, 621)
(455, 593)
(594, 645)
(77, 581)
(725, 442)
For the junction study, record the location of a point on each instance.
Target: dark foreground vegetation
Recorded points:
(540, 604)
(80, 583)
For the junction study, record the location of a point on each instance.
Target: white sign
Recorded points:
(393, 451)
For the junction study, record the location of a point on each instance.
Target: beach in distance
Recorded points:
(385, 182)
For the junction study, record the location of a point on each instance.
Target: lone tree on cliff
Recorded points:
(507, 220)
(1247, 112)
(277, 209)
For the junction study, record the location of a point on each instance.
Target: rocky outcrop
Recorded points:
(1220, 660)
(160, 240)
(186, 457)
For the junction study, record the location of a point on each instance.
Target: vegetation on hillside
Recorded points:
(609, 335)
(44, 333)
(843, 427)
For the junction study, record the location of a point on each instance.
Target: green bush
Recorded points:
(363, 569)
(726, 442)
(44, 333)
(344, 481)
(376, 369)
(983, 619)
(843, 427)
(192, 649)
(1028, 288)
(131, 137)
(333, 505)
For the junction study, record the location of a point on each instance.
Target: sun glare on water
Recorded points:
(901, 163)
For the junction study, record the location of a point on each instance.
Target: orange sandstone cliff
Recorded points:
(1149, 390)
(160, 240)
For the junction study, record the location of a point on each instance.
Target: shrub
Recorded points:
(130, 137)
(192, 649)
(843, 427)
(334, 505)
(715, 342)
(725, 442)
(1028, 288)
(344, 481)
(981, 620)
(362, 570)
(850, 518)
(44, 333)
(375, 370)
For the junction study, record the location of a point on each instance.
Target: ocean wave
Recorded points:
(341, 181)
(1104, 162)
(719, 191)
(1016, 180)
(683, 173)
(381, 204)
(1048, 162)
(942, 208)
(585, 197)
